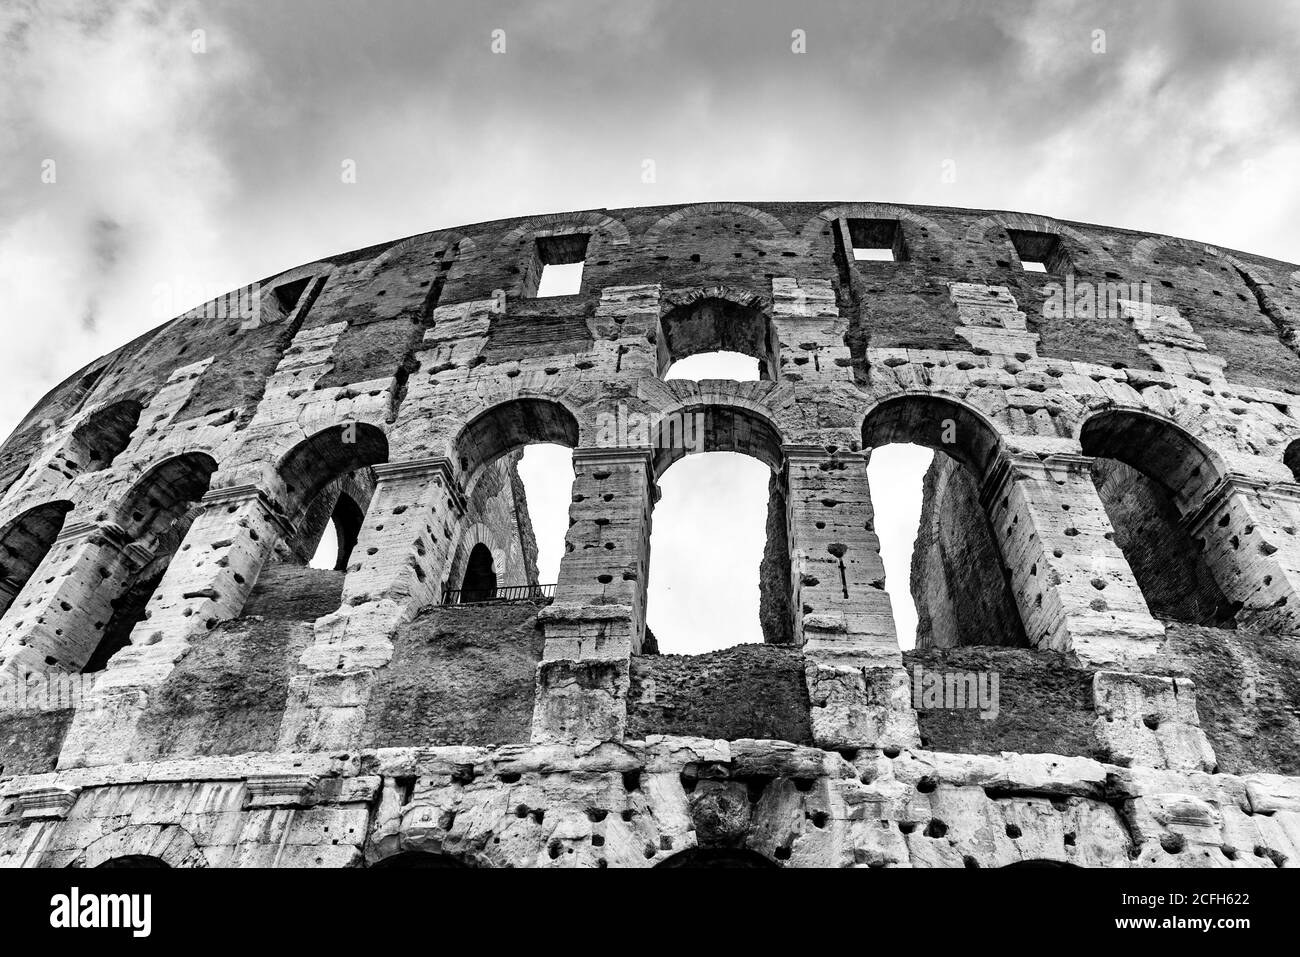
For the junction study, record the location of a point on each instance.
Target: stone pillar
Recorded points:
(206, 582)
(597, 621)
(810, 332)
(1071, 582)
(853, 666)
(1251, 533)
(1150, 721)
(58, 618)
(209, 578)
(396, 569)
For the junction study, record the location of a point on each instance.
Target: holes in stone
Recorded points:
(1173, 843)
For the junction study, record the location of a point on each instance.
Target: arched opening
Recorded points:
(1291, 458)
(339, 536)
(480, 582)
(24, 543)
(546, 476)
(944, 567)
(155, 516)
(719, 575)
(718, 857)
(1149, 473)
(723, 329)
(417, 859)
(1040, 862)
(516, 460)
(329, 481)
(104, 434)
(134, 862)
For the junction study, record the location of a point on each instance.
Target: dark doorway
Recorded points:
(480, 576)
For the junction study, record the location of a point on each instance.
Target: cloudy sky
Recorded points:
(188, 164)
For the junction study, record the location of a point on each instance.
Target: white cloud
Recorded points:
(117, 100)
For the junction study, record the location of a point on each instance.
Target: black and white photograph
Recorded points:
(648, 435)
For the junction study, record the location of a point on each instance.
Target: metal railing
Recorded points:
(478, 596)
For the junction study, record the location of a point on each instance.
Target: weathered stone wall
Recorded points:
(1114, 502)
(957, 579)
(459, 676)
(749, 691)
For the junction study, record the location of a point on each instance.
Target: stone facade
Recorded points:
(1109, 530)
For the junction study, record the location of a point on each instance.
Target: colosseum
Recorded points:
(1108, 540)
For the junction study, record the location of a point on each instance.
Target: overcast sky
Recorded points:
(180, 174)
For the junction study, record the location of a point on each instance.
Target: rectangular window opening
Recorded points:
(877, 240)
(557, 265)
(287, 296)
(1040, 252)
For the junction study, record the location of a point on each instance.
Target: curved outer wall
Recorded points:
(191, 471)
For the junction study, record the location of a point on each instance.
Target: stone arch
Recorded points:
(406, 860)
(512, 424)
(327, 480)
(1157, 446)
(1150, 475)
(468, 539)
(814, 226)
(495, 512)
(105, 433)
(134, 862)
(443, 237)
(340, 505)
(717, 319)
(24, 542)
(558, 224)
(154, 516)
(938, 422)
(1145, 250)
(715, 424)
(170, 844)
(323, 457)
(479, 582)
(977, 231)
(719, 857)
(164, 493)
(976, 605)
(701, 422)
(775, 228)
(1040, 862)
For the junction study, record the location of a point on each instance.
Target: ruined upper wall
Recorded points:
(1245, 307)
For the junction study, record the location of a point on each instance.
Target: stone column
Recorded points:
(1251, 533)
(396, 569)
(1071, 582)
(207, 581)
(58, 617)
(810, 332)
(853, 666)
(597, 621)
